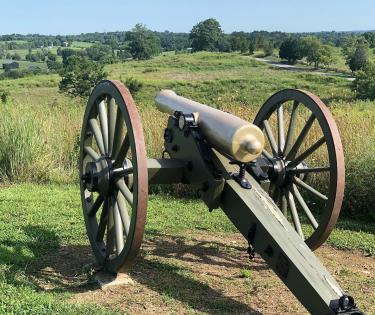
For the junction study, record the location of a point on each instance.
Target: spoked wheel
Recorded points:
(113, 172)
(303, 162)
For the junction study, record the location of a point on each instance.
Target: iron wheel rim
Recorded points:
(127, 116)
(332, 139)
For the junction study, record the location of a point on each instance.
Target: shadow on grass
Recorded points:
(43, 263)
(176, 282)
(198, 251)
(47, 265)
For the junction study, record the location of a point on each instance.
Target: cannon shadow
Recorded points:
(47, 265)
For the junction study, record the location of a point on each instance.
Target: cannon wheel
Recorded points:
(304, 128)
(113, 173)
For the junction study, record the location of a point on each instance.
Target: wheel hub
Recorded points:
(97, 176)
(276, 170)
(100, 175)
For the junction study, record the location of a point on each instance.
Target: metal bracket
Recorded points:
(347, 306)
(240, 176)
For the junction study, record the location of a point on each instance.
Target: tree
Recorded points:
(370, 38)
(224, 44)
(291, 49)
(364, 83)
(316, 53)
(16, 56)
(99, 52)
(251, 47)
(80, 75)
(326, 55)
(143, 43)
(240, 42)
(206, 35)
(68, 52)
(359, 59)
(267, 48)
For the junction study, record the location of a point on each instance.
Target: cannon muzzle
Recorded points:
(225, 132)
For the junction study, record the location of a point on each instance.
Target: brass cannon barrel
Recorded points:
(227, 133)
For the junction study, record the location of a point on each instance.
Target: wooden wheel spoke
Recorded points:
(125, 190)
(297, 171)
(97, 134)
(117, 137)
(284, 204)
(112, 114)
(281, 129)
(96, 206)
(304, 206)
(119, 232)
(312, 190)
(103, 118)
(124, 149)
(102, 222)
(123, 213)
(91, 152)
(267, 155)
(293, 211)
(111, 234)
(276, 195)
(270, 137)
(293, 151)
(292, 127)
(307, 153)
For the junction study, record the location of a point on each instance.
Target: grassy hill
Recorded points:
(40, 127)
(45, 261)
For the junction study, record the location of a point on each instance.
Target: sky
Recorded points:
(84, 16)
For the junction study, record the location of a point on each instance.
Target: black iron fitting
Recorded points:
(240, 176)
(346, 306)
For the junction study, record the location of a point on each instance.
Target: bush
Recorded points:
(364, 83)
(359, 59)
(17, 74)
(291, 49)
(133, 85)
(4, 96)
(80, 75)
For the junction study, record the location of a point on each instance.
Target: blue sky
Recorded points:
(81, 16)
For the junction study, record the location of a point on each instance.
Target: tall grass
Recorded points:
(39, 128)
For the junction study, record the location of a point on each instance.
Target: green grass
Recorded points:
(230, 82)
(37, 220)
(81, 45)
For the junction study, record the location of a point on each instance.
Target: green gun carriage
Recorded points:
(263, 175)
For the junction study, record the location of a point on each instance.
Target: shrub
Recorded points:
(359, 59)
(80, 75)
(133, 85)
(291, 49)
(364, 83)
(4, 96)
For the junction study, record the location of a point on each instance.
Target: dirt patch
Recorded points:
(203, 273)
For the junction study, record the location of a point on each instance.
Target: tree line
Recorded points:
(141, 43)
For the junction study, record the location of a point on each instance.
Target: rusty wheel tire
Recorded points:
(113, 173)
(289, 168)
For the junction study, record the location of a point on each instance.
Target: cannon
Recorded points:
(280, 180)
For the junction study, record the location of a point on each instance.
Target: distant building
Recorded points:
(11, 65)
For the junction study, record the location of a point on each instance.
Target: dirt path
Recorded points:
(302, 69)
(202, 275)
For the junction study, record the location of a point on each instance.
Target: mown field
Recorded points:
(45, 261)
(192, 261)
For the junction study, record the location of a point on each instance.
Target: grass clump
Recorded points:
(245, 273)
